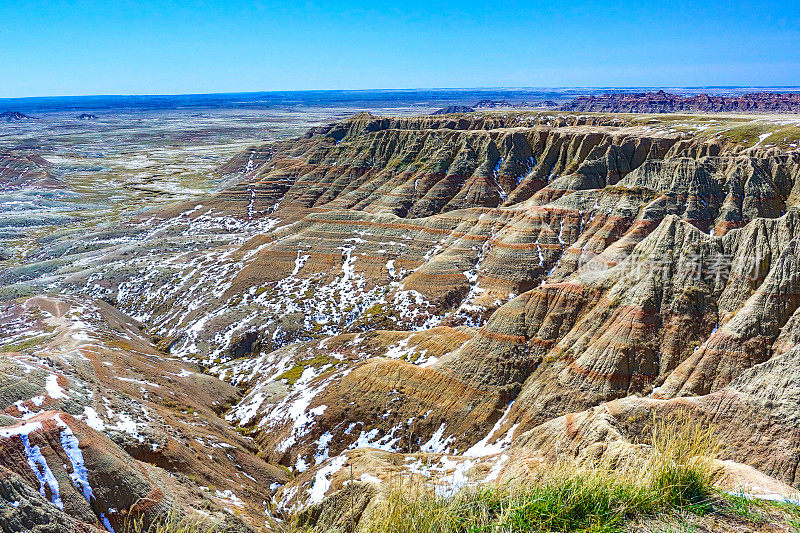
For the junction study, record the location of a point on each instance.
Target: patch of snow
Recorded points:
(92, 419)
(437, 443)
(229, 497)
(368, 478)
(494, 473)
(79, 475)
(321, 481)
(482, 447)
(24, 429)
(44, 475)
(53, 389)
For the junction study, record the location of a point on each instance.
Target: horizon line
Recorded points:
(408, 89)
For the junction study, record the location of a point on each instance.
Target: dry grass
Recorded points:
(169, 524)
(673, 474)
(679, 462)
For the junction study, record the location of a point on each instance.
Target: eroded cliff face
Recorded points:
(484, 288)
(104, 426)
(664, 102)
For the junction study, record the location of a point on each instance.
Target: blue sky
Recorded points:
(76, 47)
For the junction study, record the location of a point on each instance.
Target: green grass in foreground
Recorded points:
(667, 486)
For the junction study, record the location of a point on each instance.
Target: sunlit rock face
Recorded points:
(454, 297)
(410, 223)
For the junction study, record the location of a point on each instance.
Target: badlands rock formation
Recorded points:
(663, 102)
(18, 170)
(455, 298)
(81, 381)
(453, 109)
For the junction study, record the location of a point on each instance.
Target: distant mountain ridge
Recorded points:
(664, 102)
(454, 109)
(12, 116)
(494, 104)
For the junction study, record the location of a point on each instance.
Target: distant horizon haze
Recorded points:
(392, 101)
(567, 91)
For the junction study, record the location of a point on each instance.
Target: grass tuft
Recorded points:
(672, 474)
(679, 462)
(169, 524)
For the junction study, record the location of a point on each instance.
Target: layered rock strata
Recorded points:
(473, 290)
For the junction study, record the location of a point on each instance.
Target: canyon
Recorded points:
(454, 298)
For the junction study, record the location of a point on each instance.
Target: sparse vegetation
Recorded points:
(666, 479)
(746, 133)
(25, 344)
(786, 136)
(294, 373)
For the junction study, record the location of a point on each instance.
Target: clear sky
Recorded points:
(76, 47)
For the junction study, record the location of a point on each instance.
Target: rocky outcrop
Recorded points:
(81, 472)
(424, 166)
(453, 109)
(492, 104)
(24, 509)
(751, 416)
(19, 170)
(361, 244)
(341, 510)
(83, 369)
(397, 167)
(626, 290)
(663, 102)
